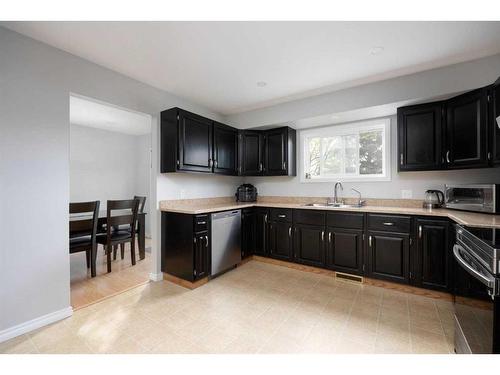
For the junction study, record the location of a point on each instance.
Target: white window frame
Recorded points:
(347, 129)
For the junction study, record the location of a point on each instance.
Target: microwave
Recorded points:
(475, 198)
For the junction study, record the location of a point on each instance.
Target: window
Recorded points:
(355, 152)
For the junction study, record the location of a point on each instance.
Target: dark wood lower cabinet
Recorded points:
(388, 256)
(432, 261)
(201, 255)
(345, 250)
(280, 240)
(248, 232)
(309, 245)
(261, 235)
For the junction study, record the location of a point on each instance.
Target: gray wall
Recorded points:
(108, 165)
(418, 182)
(35, 82)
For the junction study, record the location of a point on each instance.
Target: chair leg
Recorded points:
(132, 251)
(122, 250)
(93, 257)
(87, 256)
(115, 249)
(108, 256)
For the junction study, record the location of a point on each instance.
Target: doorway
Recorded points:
(110, 159)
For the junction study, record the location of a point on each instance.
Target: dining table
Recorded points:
(103, 219)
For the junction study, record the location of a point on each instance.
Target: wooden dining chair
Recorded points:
(140, 209)
(115, 233)
(83, 232)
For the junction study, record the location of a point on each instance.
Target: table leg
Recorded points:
(142, 236)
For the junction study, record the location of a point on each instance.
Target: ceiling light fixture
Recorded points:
(376, 50)
(261, 84)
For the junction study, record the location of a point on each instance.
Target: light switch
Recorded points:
(406, 194)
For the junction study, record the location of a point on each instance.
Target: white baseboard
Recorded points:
(156, 276)
(33, 324)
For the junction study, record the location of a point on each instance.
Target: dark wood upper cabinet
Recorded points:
(280, 145)
(494, 101)
(195, 143)
(420, 138)
(388, 256)
(225, 159)
(467, 130)
(251, 153)
(432, 263)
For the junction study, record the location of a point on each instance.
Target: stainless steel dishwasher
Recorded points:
(226, 240)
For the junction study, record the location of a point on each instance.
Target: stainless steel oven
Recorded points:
(477, 290)
(477, 198)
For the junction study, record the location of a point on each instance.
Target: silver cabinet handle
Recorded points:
(448, 156)
(401, 159)
(215, 163)
(206, 239)
(194, 240)
(330, 237)
(265, 218)
(388, 224)
(210, 163)
(284, 165)
(323, 235)
(370, 241)
(290, 232)
(260, 167)
(282, 216)
(201, 222)
(419, 231)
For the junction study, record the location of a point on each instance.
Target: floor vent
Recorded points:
(348, 277)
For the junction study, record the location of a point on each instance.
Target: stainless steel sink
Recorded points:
(335, 205)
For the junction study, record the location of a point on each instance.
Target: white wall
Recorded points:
(35, 84)
(418, 182)
(108, 165)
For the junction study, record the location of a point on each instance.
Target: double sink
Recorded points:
(335, 205)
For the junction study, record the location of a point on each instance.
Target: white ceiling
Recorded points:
(218, 64)
(107, 117)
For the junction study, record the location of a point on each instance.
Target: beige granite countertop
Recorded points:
(392, 206)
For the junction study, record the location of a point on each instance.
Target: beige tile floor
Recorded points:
(86, 290)
(256, 308)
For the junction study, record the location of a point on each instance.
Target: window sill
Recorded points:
(345, 179)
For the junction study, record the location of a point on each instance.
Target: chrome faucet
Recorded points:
(335, 194)
(360, 202)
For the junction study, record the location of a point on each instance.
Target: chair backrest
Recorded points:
(83, 218)
(128, 216)
(142, 203)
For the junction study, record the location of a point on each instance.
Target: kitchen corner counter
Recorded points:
(402, 207)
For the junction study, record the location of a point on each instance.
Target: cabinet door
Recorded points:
(276, 152)
(280, 240)
(261, 232)
(251, 152)
(201, 251)
(432, 267)
(388, 256)
(420, 137)
(344, 250)
(309, 245)
(225, 149)
(195, 143)
(466, 130)
(495, 121)
(248, 232)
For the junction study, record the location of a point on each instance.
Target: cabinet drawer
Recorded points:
(345, 220)
(391, 223)
(281, 214)
(310, 217)
(200, 223)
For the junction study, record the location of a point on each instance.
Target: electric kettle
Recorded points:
(433, 199)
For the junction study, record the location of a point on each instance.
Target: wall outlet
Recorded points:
(183, 193)
(406, 194)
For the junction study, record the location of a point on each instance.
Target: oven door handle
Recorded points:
(490, 283)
